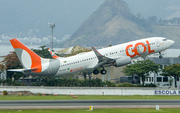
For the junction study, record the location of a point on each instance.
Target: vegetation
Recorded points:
(5, 93)
(9, 82)
(43, 52)
(141, 69)
(11, 61)
(172, 70)
(135, 85)
(107, 110)
(72, 82)
(39, 96)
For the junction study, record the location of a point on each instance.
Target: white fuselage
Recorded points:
(134, 49)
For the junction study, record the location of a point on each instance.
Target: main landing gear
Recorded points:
(160, 55)
(103, 71)
(95, 71)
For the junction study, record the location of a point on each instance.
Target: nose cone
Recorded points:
(171, 42)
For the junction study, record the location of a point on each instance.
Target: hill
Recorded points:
(113, 23)
(73, 50)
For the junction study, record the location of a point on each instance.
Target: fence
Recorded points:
(93, 90)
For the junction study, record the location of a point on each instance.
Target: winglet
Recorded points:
(96, 52)
(99, 56)
(53, 54)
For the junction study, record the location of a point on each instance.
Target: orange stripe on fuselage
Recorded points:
(36, 60)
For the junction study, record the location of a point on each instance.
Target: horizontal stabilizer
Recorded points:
(22, 70)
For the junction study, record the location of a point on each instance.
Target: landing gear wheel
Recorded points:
(95, 71)
(160, 56)
(103, 72)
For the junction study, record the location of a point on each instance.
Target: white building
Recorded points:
(159, 80)
(2, 73)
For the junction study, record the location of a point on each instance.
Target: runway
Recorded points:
(75, 104)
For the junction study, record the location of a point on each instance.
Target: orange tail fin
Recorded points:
(28, 58)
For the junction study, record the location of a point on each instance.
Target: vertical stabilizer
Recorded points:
(27, 57)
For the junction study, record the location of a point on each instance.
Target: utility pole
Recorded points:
(52, 25)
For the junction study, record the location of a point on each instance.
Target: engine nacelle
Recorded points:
(122, 61)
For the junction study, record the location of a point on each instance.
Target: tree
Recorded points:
(152, 19)
(172, 70)
(141, 69)
(130, 71)
(44, 53)
(11, 61)
(170, 81)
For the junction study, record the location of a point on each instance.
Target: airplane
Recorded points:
(118, 55)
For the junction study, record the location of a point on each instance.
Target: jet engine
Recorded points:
(122, 61)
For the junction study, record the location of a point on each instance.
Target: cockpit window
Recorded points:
(165, 39)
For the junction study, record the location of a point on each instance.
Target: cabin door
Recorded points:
(157, 43)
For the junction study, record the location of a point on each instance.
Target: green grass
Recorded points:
(94, 111)
(88, 97)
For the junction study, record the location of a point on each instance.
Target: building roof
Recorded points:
(166, 60)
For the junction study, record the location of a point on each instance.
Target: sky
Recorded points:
(21, 18)
(30, 18)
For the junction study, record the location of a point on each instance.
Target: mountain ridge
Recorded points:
(113, 23)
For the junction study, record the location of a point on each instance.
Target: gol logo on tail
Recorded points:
(135, 49)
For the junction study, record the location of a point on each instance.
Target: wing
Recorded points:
(116, 61)
(103, 61)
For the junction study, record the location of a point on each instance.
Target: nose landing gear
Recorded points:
(160, 55)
